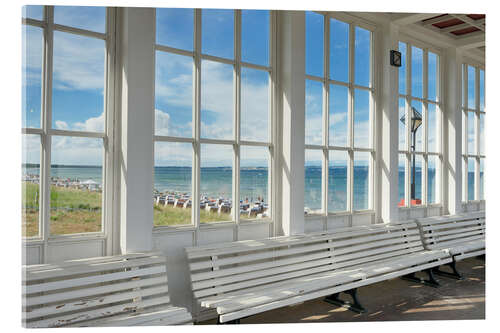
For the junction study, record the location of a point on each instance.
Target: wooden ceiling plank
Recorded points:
(431, 21)
(472, 22)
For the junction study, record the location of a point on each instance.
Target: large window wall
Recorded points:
(340, 151)
(473, 121)
(213, 142)
(420, 139)
(65, 109)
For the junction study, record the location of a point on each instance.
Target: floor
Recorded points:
(396, 300)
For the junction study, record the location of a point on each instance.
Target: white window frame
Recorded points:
(425, 153)
(196, 140)
(46, 132)
(477, 156)
(325, 147)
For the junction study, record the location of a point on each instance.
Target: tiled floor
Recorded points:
(396, 300)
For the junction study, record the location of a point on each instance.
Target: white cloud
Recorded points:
(62, 125)
(78, 62)
(162, 120)
(93, 124)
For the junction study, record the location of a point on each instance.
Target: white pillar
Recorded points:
(452, 130)
(136, 142)
(291, 50)
(388, 118)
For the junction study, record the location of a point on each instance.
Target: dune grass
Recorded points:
(77, 211)
(169, 215)
(72, 210)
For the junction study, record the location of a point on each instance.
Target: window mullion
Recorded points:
(408, 127)
(237, 115)
(350, 117)
(46, 124)
(477, 100)
(195, 171)
(326, 114)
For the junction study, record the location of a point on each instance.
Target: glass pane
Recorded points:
(76, 185)
(254, 105)
(481, 133)
(338, 115)
(361, 118)
(88, 18)
(481, 178)
(362, 57)
(471, 168)
(254, 182)
(481, 90)
(255, 36)
(33, 11)
(416, 179)
(216, 100)
(172, 203)
(337, 180)
(217, 31)
(339, 50)
(78, 85)
(471, 86)
(417, 56)
(402, 69)
(471, 142)
(432, 76)
(314, 112)
(416, 125)
(30, 200)
(173, 95)
(314, 43)
(313, 176)
(432, 128)
(31, 76)
(174, 27)
(401, 179)
(361, 180)
(401, 124)
(432, 183)
(216, 183)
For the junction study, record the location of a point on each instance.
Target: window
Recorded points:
(339, 156)
(64, 113)
(473, 116)
(213, 131)
(420, 153)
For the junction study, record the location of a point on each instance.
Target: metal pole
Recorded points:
(413, 170)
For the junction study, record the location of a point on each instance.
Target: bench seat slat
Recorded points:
(91, 268)
(78, 262)
(171, 316)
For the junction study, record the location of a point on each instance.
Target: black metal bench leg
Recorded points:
(355, 306)
(431, 282)
(453, 275)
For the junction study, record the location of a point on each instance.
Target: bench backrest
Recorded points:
(450, 230)
(79, 291)
(230, 267)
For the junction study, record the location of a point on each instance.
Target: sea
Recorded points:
(215, 182)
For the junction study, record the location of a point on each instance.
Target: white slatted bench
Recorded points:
(124, 290)
(244, 278)
(462, 235)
